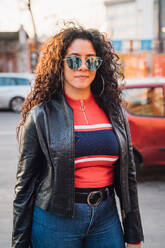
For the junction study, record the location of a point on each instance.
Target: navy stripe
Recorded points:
(100, 142)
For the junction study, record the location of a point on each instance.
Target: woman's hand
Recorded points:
(134, 246)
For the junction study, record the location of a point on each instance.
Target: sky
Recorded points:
(89, 13)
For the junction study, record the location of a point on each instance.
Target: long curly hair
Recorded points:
(49, 71)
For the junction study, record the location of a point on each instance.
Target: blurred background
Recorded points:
(136, 29)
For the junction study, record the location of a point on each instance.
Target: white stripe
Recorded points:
(94, 159)
(92, 126)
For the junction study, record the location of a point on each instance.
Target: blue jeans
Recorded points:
(96, 227)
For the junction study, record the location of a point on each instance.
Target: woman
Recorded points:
(75, 151)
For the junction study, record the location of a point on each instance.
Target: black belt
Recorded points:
(94, 197)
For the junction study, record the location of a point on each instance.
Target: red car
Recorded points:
(145, 106)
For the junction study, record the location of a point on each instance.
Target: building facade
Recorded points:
(14, 51)
(133, 25)
(136, 29)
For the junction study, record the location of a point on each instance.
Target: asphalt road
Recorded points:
(151, 188)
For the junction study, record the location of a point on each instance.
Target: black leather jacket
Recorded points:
(45, 175)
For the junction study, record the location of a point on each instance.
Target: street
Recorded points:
(151, 189)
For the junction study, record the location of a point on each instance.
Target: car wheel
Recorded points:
(16, 104)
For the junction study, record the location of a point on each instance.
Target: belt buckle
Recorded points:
(94, 194)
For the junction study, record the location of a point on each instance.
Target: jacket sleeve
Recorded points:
(132, 221)
(27, 173)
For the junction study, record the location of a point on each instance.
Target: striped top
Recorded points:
(96, 146)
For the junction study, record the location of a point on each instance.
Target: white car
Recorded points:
(14, 87)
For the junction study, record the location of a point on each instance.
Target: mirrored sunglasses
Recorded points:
(92, 62)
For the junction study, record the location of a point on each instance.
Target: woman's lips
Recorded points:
(81, 76)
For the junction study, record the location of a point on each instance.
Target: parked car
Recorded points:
(14, 87)
(145, 106)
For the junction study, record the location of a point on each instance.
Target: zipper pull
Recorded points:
(83, 110)
(82, 106)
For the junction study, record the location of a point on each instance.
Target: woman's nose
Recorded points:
(83, 65)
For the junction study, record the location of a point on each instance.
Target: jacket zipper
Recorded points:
(83, 111)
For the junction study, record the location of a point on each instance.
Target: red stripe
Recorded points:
(96, 156)
(94, 177)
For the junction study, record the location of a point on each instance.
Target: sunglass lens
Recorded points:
(73, 62)
(93, 63)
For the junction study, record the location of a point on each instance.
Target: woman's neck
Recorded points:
(79, 94)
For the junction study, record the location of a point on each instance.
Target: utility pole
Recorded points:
(34, 51)
(160, 39)
(33, 23)
(26, 5)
